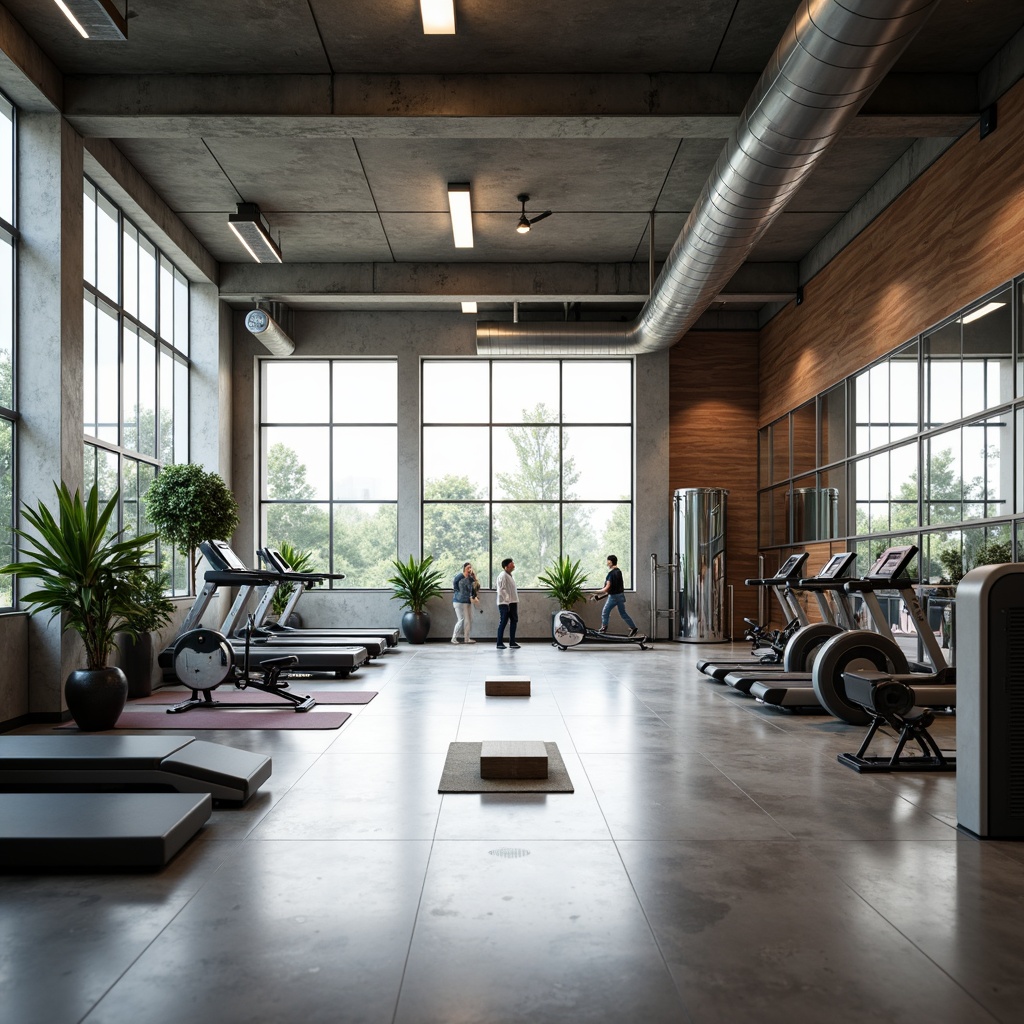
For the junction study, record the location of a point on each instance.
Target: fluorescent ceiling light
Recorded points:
(253, 232)
(469, 307)
(981, 311)
(438, 17)
(462, 214)
(95, 19)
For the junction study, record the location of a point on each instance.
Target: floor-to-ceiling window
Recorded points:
(8, 334)
(136, 364)
(528, 459)
(329, 464)
(916, 448)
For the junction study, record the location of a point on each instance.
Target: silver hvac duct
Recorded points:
(831, 57)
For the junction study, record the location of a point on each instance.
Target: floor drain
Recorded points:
(509, 852)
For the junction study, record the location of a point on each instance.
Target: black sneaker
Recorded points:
(633, 631)
(514, 644)
(500, 646)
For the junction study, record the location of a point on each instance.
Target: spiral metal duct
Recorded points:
(831, 57)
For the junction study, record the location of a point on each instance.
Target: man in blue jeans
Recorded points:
(508, 604)
(615, 590)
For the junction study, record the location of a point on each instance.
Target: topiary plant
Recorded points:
(189, 505)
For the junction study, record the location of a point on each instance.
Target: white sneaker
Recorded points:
(469, 641)
(454, 641)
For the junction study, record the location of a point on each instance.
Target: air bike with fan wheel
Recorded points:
(204, 660)
(569, 630)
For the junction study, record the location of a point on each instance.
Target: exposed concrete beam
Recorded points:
(27, 75)
(110, 169)
(334, 285)
(475, 106)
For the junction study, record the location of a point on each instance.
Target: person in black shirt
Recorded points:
(614, 590)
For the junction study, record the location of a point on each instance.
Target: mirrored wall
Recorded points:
(920, 447)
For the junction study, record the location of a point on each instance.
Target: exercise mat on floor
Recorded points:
(228, 719)
(248, 696)
(462, 774)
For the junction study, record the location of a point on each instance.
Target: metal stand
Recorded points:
(671, 570)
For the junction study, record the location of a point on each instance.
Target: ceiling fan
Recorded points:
(525, 223)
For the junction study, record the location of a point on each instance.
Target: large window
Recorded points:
(136, 365)
(8, 416)
(919, 448)
(329, 464)
(528, 459)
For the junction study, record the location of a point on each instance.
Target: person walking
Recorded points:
(463, 599)
(615, 591)
(508, 604)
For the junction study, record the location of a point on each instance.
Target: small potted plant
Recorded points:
(188, 505)
(93, 580)
(135, 650)
(564, 581)
(300, 561)
(414, 584)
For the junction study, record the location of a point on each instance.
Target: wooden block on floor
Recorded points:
(507, 686)
(513, 759)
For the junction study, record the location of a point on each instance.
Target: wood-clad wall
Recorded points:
(953, 235)
(713, 402)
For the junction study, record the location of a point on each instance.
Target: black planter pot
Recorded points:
(416, 626)
(96, 697)
(136, 660)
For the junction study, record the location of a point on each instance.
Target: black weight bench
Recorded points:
(89, 763)
(97, 830)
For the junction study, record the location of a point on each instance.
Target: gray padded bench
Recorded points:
(97, 830)
(180, 763)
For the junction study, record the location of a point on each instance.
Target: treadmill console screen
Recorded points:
(790, 566)
(892, 562)
(836, 566)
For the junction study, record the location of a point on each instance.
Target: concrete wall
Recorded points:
(409, 336)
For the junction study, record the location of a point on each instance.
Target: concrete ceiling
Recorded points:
(344, 123)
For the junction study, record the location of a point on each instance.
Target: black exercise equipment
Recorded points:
(891, 702)
(569, 630)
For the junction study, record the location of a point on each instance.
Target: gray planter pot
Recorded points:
(96, 697)
(137, 659)
(416, 626)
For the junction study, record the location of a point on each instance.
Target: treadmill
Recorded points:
(789, 572)
(796, 691)
(273, 560)
(836, 616)
(332, 659)
(221, 557)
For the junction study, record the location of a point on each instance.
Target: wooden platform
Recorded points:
(513, 759)
(507, 686)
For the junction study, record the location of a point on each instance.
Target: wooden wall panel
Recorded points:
(952, 236)
(713, 402)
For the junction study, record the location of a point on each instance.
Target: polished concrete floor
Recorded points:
(715, 865)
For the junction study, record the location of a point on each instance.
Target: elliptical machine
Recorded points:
(569, 630)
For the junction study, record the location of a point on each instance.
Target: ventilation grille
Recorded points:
(1015, 710)
(509, 852)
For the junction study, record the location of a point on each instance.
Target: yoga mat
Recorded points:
(228, 694)
(228, 719)
(461, 774)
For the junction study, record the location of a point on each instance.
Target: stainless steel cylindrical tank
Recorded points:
(815, 513)
(699, 544)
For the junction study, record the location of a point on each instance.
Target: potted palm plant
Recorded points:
(300, 561)
(564, 581)
(414, 584)
(94, 580)
(136, 651)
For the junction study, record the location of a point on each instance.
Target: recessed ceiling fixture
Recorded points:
(253, 232)
(95, 19)
(462, 214)
(438, 17)
(525, 223)
(469, 307)
(981, 311)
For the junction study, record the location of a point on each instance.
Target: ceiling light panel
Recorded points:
(462, 214)
(977, 314)
(438, 17)
(95, 19)
(253, 231)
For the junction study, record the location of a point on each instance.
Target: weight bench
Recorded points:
(88, 763)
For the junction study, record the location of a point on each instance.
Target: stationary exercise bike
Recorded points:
(204, 659)
(569, 630)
